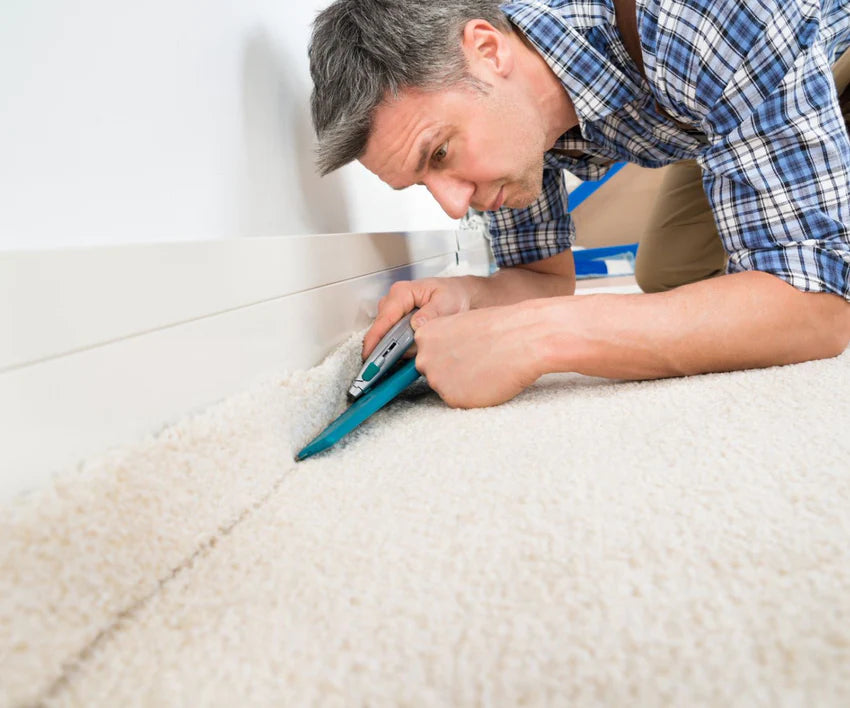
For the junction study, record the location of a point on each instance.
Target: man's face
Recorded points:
(469, 148)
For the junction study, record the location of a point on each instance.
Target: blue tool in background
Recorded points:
(610, 260)
(585, 189)
(370, 392)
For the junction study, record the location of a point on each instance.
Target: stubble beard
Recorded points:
(528, 188)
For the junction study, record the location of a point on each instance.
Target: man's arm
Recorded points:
(742, 321)
(550, 277)
(747, 320)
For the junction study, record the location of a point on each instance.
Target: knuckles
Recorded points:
(436, 383)
(399, 286)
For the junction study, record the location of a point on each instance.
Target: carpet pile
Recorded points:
(682, 542)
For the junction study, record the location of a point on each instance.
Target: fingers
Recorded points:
(425, 314)
(400, 300)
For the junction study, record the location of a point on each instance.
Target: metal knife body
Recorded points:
(389, 350)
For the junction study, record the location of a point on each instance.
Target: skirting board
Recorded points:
(110, 344)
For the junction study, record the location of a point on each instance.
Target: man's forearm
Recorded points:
(512, 285)
(742, 321)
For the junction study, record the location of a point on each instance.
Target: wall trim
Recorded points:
(109, 344)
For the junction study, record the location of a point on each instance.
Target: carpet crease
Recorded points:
(126, 615)
(674, 542)
(71, 566)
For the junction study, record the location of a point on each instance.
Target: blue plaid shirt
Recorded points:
(752, 77)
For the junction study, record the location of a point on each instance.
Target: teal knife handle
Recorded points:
(368, 404)
(371, 402)
(384, 356)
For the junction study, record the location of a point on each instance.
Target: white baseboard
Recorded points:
(60, 301)
(110, 344)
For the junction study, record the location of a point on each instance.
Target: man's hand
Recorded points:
(483, 357)
(435, 297)
(438, 297)
(732, 322)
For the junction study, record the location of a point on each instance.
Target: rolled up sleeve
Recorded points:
(540, 231)
(777, 176)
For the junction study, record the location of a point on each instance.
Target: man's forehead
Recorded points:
(401, 137)
(407, 111)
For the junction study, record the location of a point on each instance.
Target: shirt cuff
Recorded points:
(807, 265)
(532, 243)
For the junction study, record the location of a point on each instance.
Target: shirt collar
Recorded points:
(593, 82)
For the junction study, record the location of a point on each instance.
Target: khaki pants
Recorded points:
(681, 244)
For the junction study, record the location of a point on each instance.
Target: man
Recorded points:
(485, 105)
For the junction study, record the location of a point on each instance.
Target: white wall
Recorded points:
(136, 122)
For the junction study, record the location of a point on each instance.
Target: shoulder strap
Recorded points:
(625, 12)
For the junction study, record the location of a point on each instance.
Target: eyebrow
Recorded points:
(423, 154)
(423, 157)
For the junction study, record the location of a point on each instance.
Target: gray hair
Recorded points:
(363, 51)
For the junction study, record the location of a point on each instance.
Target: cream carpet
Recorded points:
(682, 542)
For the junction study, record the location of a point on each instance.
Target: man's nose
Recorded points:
(452, 194)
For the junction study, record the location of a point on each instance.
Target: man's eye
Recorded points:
(441, 154)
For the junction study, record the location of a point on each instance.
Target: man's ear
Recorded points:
(487, 50)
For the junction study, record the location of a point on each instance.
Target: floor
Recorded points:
(591, 542)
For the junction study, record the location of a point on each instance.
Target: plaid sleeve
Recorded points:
(542, 230)
(776, 170)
